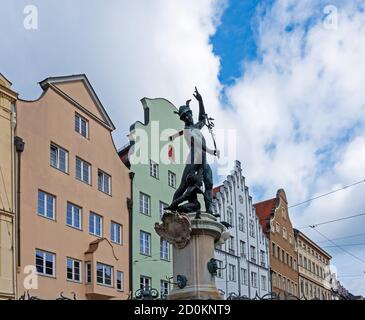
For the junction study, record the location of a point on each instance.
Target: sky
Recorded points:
(287, 76)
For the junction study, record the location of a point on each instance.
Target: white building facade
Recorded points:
(243, 259)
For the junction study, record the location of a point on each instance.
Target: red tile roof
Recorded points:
(216, 189)
(263, 211)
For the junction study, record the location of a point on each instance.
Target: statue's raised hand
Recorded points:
(197, 95)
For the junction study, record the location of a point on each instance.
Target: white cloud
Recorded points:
(300, 111)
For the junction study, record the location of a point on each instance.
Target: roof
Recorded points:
(306, 238)
(79, 77)
(264, 210)
(124, 155)
(216, 190)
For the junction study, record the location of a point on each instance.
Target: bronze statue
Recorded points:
(196, 169)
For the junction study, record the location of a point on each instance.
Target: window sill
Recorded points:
(68, 225)
(117, 243)
(74, 281)
(106, 193)
(48, 218)
(105, 285)
(145, 254)
(87, 183)
(60, 170)
(95, 235)
(46, 275)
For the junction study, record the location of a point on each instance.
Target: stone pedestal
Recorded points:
(191, 261)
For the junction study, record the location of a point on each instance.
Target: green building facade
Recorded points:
(156, 166)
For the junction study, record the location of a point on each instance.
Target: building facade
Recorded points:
(275, 220)
(8, 99)
(314, 269)
(243, 258)
(73, 215)
(156, 166)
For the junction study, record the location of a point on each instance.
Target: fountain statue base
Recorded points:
(193, 259)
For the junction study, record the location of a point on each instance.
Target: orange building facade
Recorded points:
(275, 220)
(72, 209)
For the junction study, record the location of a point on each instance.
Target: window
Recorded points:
(230, 216)
(253, 254)
(241, 222)
(83, 171)
(73, 270)
(277, 227)
(162, 208)
(285, 234)
(164, 250)
(287, 258)
(305, 263)
(171, 179)
(144, 204)
(144, 243)
(164, 288)
(254, 279)
(244, 276)
(262, 258)
(300, 260)
(144, 282)
(263, 282)
(95, 224)
(104, 182)
(252, 229)
(88, 272)
(104, 274)
(242, 248)
(59, 158)
(273, 249)
(231, 272)
(81, 126)
(73, 216)
(290, 239)
(46, 205)
(231, 245)
(220, 267)
(116, 232)
(282, 255)
(291, 262)
(278, 252)
(45, 263)
(154, 169)
(120, 281)
(283, 213)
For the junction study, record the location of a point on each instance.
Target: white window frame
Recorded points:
(116, 230)
(94, 224)
(82, 164)
(253, 279)
(242, 248)
(164, 250)
(162, 206)
(57, 164)
(263, 282)
(103, 175)
(230, 216)
(220, 268)
(154, 169)
(73, 270)
(143, 205)
(120, 274)
(231, 272)
(144, 243)
(241, 222)
(244, 276)
(47, 195)
(252, 228)
(142, 282)
(79, 120)
(231, 245)
(44, 253)
(73, 213)
(171, 179)
(164, 288)
(253, 254)
(105, 266)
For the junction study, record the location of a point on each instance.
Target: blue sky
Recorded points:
(287, 81)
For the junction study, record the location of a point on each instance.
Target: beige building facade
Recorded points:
(7, 200)
(314, 269)
(73, 214)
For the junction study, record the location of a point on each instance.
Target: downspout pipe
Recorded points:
(130, 212)
(19, 148)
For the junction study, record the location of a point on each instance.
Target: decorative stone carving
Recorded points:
(175, 228)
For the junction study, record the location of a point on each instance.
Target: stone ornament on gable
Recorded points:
(175, 228)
